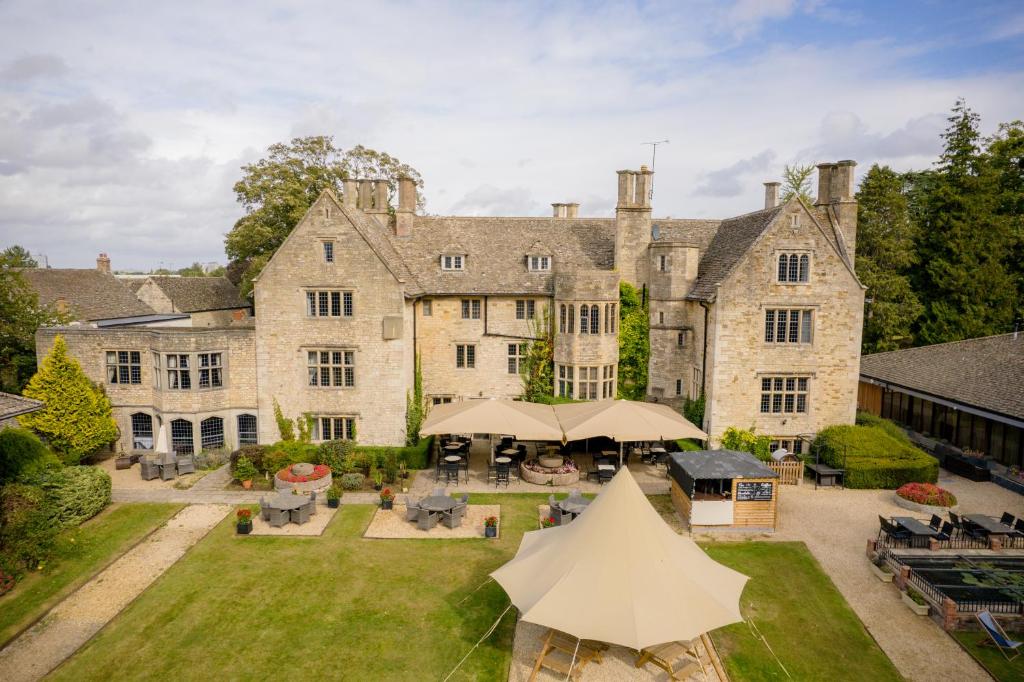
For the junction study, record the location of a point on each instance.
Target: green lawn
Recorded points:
(80, 553)
(802, 616)
(344, 607)
(998, 666)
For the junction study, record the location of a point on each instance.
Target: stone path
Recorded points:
(82, 614)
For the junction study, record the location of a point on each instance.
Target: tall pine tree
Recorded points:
(885, 256)
(964, 246)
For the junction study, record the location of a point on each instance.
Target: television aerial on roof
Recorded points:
(654, 154)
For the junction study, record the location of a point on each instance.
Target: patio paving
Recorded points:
(617, 664)
(392, 524)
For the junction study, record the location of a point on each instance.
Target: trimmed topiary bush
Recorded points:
(333, 453)
(352, 481)
(23, 454)
(890, 427)
(874, 458)
(75, 494)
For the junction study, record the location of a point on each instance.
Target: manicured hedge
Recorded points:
(273, 458)
(75, 494)
(887, 425)
(23, 454)
(414, 456)
(874, 458)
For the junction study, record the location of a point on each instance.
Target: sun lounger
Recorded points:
(998, 636)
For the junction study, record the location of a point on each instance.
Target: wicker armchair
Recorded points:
(412, 510)
(168, 472)
(264, 509)
(300, 515)
(186, 464)
(453, 518)
(149, 469)
(312, 503)
(426, 519)
(277, 517)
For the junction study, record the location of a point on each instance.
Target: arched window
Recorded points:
(211, 433)
(561, 320)
(805, 266)
(142, 431)
(181, 437)
(794, 265)
(584, 319)
(247, 434)
(595, 320)
(783, 267)
(572, 320)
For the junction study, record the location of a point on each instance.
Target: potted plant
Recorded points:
(881, 570)
(244, 521)
(387, 499)
(402, 471)
(491, 527)
(547, 522)
(245, 471)
(378, 479)
(914, 601)
(333, 497)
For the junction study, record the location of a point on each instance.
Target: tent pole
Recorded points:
(621, 444)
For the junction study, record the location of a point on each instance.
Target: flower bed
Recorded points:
(531, 471)
(303, 477)
(927, 493)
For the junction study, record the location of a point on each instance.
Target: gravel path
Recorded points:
(81, 615)
(836, 524)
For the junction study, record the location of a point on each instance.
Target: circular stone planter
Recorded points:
(318, 485)
(541, 478)
(551, 461)
(924, 508)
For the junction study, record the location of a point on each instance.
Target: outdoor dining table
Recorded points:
(915, 527)
(510, 452)
(990, 525)
(438, 503)
(287, 502)
(452, 447)
(452, 458)
(502, 460)
(574, 505)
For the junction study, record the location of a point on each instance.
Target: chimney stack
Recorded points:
(835, 189)
(825, 171)
(771, 194)
(103, 263)
(572, 210)
(350, 193)
(365, 195)
(558, 210)
(406, 206)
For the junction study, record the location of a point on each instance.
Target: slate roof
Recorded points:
(90, 294)
(198, 294)
(715, 464)
(496, 250)
(730, 244)
(12, 405)
(695, 231)
(985, 373)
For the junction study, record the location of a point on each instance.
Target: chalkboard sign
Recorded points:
(748, 491)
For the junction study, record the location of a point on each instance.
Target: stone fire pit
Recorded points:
(563, 472)
(303, 477)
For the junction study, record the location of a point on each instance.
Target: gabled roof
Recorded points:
(12, 405)
(198, 294)
(696, 231)
(89, 293)
(730, 244)
(496, 250)
(985, 373)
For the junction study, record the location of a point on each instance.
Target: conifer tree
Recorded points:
(76, 419)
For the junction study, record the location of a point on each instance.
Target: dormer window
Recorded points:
(453, 262)
(539, 263)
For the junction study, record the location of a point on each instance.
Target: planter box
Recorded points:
(969, 469)
(884, 576)
(490, 531)
(538, 478)
(319, 485)
(1008, 483)
(387, 504)
(334, 504)
(244, 528)
(919, 609)
(123, 463)
(924, 508)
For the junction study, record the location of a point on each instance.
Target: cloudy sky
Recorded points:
(123, 125)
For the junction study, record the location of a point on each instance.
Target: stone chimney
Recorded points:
(559, 210)
(103, 263)
(350, 193)
(633, 225)
(379, 210)
(771, 194)
(365, 200)
(406, 206)
(572, 210)
(836, 190)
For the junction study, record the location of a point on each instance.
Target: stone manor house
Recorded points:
(761, 313)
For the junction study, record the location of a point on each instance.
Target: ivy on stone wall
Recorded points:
(414, 407)
(284, 425)
(537, 369)
(634, 343)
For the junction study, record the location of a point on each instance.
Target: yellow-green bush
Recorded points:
(873, 458)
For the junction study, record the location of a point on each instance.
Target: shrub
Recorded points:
(22, 453)
(415, 456)
(352, 481)
(27, 533)
(244, 469)
(926, 493)
(75, 494)
(873, 458)
(213, 459)
(334, 453)
(255, 455)
(745, 440)
(890, 427)
(390, 466)
(693, 410)
(687, 444)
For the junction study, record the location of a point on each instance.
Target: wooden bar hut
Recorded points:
(724, 489)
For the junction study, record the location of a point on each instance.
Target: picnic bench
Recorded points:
(566, 655)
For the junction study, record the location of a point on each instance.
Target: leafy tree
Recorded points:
(693, 410)
(276, 192)
(796, 181)
(965, 245)
(1005, 156)
(745, 440)
(20, 315)
(76, 419)
(197, 270)
(538, 367)
(21, 452)
(18, 257)
(634, 343)
(886, 254)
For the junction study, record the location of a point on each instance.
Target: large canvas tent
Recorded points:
(620, 574)
(525, 421)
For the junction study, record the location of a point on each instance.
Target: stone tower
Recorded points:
(633, 225)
